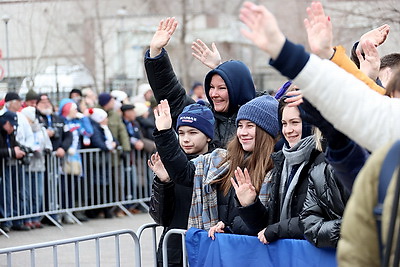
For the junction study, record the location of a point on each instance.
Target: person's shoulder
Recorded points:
(219, 152)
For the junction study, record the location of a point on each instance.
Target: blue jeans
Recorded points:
(36, 194)
(5, 196)
(15, 189)
(68, 186)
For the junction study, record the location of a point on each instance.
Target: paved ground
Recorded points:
(87, 253)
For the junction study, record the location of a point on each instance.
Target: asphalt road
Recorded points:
(87, 253)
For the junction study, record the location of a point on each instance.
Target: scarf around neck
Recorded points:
(204, 208)
(294, 156)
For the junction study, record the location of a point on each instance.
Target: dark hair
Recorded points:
(258, 163)
(394, 84)
(75, 90)
(390, 61)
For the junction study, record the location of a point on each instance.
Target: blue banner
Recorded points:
(248, 251)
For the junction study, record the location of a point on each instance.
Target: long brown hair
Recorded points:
(258, 163)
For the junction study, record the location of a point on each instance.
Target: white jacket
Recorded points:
(370, 119)
(24, 134)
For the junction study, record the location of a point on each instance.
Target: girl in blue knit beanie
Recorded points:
(212, 205)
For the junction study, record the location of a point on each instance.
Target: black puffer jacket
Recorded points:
(60, 138)
(258, 217)
(182, 170)
(169, 207)
(5, 151)
(165, 85)
(324, 205)
(170, 202)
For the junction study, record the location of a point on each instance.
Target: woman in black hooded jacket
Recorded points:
(225, 97)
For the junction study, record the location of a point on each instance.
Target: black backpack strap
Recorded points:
(389, 165)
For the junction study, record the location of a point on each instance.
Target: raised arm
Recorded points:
(160, 73)
(319, 33)
(332, 90)
(162, 200)
(161, 37)
(201, 52)
(376, 37)
(175, 161)
(263, 30)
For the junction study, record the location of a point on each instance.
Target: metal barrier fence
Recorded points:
(170, 232)
(153, 226)
(165, 243)
(98, 179)
(77, 242)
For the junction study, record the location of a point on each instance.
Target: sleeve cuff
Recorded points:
(147, 54)
(291, 60)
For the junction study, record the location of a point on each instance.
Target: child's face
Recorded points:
(73, 111)
(192, 141)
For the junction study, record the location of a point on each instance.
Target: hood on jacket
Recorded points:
(238, 81)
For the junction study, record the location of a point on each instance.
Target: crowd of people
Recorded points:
(294, 165)
(303, 163)
(34, 128)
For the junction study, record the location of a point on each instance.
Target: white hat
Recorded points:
(143, 88)
(97, 114)
(140, 109)
(30, 113)
(119, 95)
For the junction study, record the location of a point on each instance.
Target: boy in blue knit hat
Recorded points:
(195, 127)
(170, 202)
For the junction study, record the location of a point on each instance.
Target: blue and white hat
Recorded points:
(197, 116)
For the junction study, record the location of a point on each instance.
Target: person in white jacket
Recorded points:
(370, 119)
(37, 166)
(24, 134)
(349, 104)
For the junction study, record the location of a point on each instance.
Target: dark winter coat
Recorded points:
(60, 138)
(165, 85)
(99, 171)
(258, 217)
(347, 161)
(173, 210)
(5, 151)
(323, 208)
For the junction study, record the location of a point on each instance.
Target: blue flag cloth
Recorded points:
(241, 250)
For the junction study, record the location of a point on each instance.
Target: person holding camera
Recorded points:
(10, 152)
(42, 146)
(24, 137)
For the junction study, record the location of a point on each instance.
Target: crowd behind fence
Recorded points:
(105, 179)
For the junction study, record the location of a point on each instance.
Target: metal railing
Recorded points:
(170, 232)
(153, 226)
(165, 244)
(77, 242)
(99, 180)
